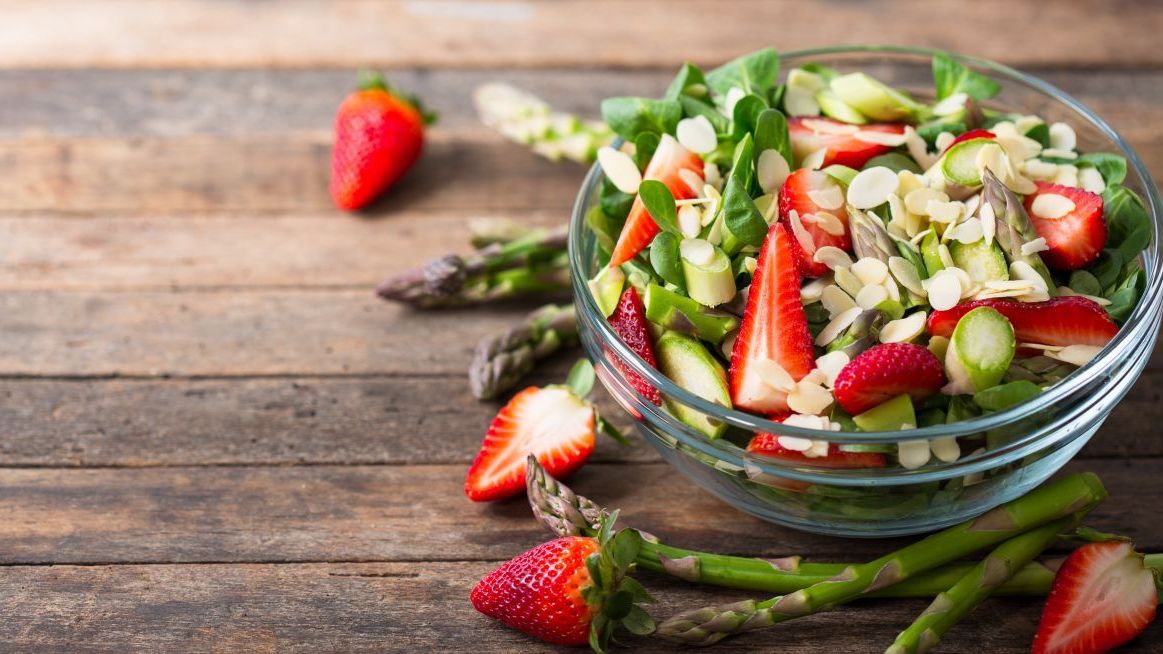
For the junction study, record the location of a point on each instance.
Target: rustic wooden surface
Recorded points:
(212, 436)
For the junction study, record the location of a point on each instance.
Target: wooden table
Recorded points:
(214, 438)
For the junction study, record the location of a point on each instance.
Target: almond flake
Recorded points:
(1035, 246)
(944, 290)
(890, 139)
(772, 170)
(944, 212)
(992, 157)
(734, 95)
(692, 181)
(811, 292)
(712, 175)
(1019, 148)
(832, 257)
(1023, 124)
(818, 449)
(997, 295)
(988, 221)
(870, 271)
(903, 329)
(950, 105)
(829, 127)
(894, 291)
(620, 169)
(919, 236)
(906, 273)
(1062, 137)
(1008, 284)
(1051, 206)
(848, 281)
(870, 296)
(1067, 175)
(1041, 346)
(727, 347)
(690, 220)
(913, 454)
(946, 448)
(806, 421)
(814, 160)
(837, 326)
(918, 149)
(809, 398)
(1059, 154)
(696, 134)
(944, 140)
(697, 251)
(799, 101)
(831, 364)
(816, 376)
(1079, 355)
(969, 231)
(1040, 170)
(1091, 180)
(872, 186)
(795, 443)
(774, 375)
(917, 201)
(801, 234)
(945, 256)
(767, 205)
(828, 198)
(897, 214)
(835, 300)
(830, 223)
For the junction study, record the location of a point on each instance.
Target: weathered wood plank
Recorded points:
(311, 420)
(394, 513)
(377, 607)
(435, 33)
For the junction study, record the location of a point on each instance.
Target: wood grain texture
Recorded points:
(395, 607)
(406, 513)
(569, 32)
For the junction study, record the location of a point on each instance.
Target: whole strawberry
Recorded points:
(569, 591)
(379, 134)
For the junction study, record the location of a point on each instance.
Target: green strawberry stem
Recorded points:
(1070, 495)
(535, 264)
(523, 117)
(984, 579)
(500, 361)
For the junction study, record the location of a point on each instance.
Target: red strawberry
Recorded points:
(843, 149)
(768, 445)
(551, 423)
(1103, 596)
(1066, 320)
(378, 136)
(794, 197)
(1076, 239)
(972, 134)
(629, 320)
(664, 166)
(882, 372)
(774, 327)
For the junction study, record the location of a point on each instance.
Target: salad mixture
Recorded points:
(833, 253)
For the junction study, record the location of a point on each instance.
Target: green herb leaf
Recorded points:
(1107, 267)
(689, 75)
(660, 204)
(950, 76)
(605, 228)
(1006, 395)
(581, 378)
(841, 173)
(741, 217)
(1040, 133)
(771, 133)
(605, 427)
(615, 203)
(1126, 293)
(644, 147)
(666, 259)
(693, 107)
(1085, 283)
(629, 116)
(638, 622)
(743, 162)
(745, 115)
(825, 73)
(960, 408)
(1112, 167)
(636, 590)
(754, 73)
(1127, 221)
(894, 161)
(932, 129)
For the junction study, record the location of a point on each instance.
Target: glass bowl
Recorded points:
(1028, 442)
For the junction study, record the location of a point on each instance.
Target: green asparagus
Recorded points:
(500, 361)
(679, 313)
(525, 118)
(1013, 227)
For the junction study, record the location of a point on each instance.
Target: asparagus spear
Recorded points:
(1064, 497)
(869, 236)
(525, 118)
(566, 513)
(534, 264)
(501, 360)
(1012, 226)
(972, 589)
(679, 313)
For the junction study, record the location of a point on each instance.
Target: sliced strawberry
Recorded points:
(629, 320)
(768, 445)
(1076, 239)
(664, 166)
(774, 327)
(1067, 320)
(844, 149)
(880, 373)
(1103, 596)
(796, 195)
(972, 134)
(551, 423)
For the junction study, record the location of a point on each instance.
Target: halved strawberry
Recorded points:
(768, 445)
(882, 372)
(551, 423)
(1076, 239)
(1066, 320)
(970, 135)
(796, 195)
(1103, 596)
(640, 229)
(844, 149)
(629, 320)
(774, 327)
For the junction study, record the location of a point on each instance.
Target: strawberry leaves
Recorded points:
(613, 593)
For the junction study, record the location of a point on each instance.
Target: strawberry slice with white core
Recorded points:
(774, 331)
(1103, 596)
(1066, 320)
(640, 229)
(842, 142)
(551, 423)
(1072, 222)
(811, 205)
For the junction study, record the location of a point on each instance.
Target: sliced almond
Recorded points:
(831, 364)
(988, 222)
(944, 212)
(697, 251)
(811, 292)
(945, 256)
(1062, 137)
(696, 134)
(832, 257)
(814, 160)
(918, 149)
(903, 329)
(870, 271)
(712, 175)
(774, 375)
(795, 443)
(620, 169)
(1079, 355)
(829, 127)
(816, 376)
(837, 326)
(906, 273)
(733, 96)
(1067, 175)
(871, 187)
(1008, 284)
(692, 181)
(830, 223)
(1040, 170)
(944, 290)
(1091, 180)
(913, 454)
(946, 448)
(1051, 206)
(890, 139)
(809, 398)
(828, 198)
(1059, 154)
(818, 448)
(969, 231)
(771, 170)
(690, 220)
(1035, 246)
(917, 200)
(848, 281)
(835, 301)
(870, 296)
(950, 105)
(944, 140)
(801, 234)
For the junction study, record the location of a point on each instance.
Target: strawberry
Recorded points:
(379, 134)
(549, 592)
(629, 320)
(793, 196)
(1103, 596)
(1065, 320)
(882, 372)
(768, 445)
(664, 166)
(843, 148)
(774, 327)
(972, 134)
(1076, 239)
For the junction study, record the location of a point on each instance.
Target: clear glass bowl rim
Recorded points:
(1112, 353)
